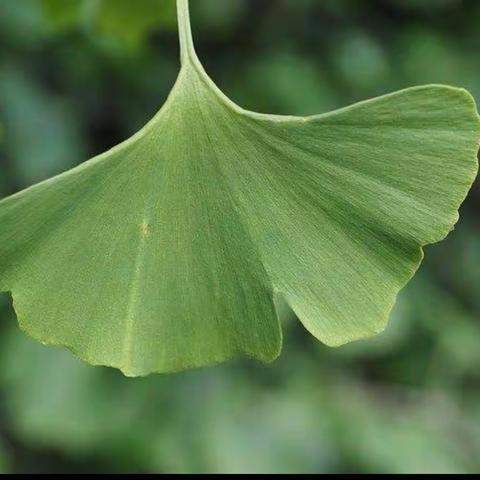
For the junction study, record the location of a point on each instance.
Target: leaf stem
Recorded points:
(187, 50)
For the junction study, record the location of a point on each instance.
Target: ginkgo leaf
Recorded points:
(168, 251)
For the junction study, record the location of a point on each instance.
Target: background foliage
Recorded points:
(77, 77)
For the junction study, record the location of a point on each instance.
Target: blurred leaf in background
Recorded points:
(74, 82)
(121, 21)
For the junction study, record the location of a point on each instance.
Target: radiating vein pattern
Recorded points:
(166, 252)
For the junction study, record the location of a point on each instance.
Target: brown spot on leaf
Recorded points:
(145, 229)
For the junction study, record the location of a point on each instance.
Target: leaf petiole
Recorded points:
(187, 50)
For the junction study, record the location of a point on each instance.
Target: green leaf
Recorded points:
(133, 21)
(168, 251)
(62, 15)
(127, 21)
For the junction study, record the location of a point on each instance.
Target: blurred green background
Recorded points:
(79, 76)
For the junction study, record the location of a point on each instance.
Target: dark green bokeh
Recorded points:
(77, 77)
